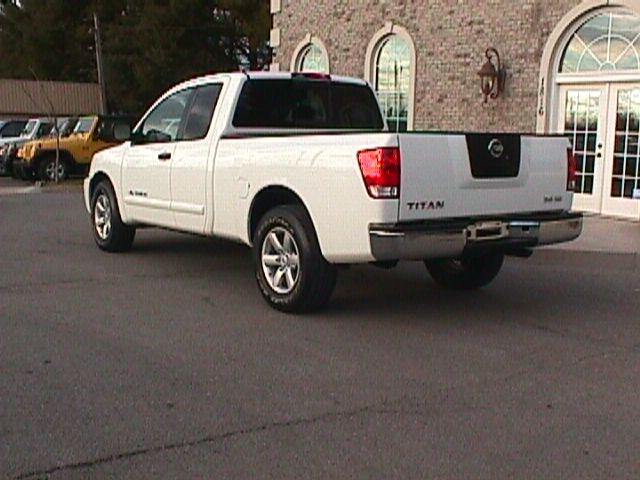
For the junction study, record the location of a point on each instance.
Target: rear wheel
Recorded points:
(47, 169)
(291, 272)
(466, 273)
(109, 232)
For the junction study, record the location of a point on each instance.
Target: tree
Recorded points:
(156, 43)
(249, 24)
(148, 45)
(47, 37)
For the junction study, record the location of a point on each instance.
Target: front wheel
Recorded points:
(291, 272)
(466, 273)
(109, 232)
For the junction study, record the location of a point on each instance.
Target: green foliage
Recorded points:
(148, 45)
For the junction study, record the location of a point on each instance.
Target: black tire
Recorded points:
(47, 169)
(467, 273)
(314, 278)
(119, 236)
(17, 172)
(5, 169)
(8, 167)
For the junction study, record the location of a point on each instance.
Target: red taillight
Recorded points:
(572, 167)
(380, 169)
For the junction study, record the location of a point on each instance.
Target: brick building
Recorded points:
(571, 67)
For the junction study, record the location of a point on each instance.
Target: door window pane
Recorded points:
(201, 111)
(588, 184)
(163, 123)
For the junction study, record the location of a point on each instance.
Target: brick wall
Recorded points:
(450, 38)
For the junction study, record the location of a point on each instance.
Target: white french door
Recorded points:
(622, 187)
(582, 110)
(603, 123)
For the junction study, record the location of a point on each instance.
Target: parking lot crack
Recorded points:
(211, 439)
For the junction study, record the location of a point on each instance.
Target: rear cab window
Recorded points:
(300, 103)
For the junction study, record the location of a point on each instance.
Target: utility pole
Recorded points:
(96, 34)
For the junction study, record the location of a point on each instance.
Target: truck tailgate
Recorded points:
(464, 175)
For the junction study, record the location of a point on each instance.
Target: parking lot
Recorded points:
(165, 362)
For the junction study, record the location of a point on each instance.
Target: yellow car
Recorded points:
(37, 159)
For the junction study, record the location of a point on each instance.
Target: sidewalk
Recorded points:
(10, 186)
(604, 243)
(605, 235)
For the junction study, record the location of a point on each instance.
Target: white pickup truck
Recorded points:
(302, 168)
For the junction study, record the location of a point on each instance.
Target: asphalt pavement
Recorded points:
(165, 362)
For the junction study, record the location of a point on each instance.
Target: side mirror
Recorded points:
(156, 136)
(121, 132)
(137, 138)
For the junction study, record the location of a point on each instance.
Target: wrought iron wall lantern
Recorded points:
(492, 75)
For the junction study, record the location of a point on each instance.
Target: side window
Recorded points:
(12, 129)
(44, 129)
(163, 123)
(201, 112)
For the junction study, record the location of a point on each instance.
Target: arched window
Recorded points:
(392, 81)
(607, 42)
(390, 67)
(310, 56)
(313, 60)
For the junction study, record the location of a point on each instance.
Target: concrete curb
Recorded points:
(20, 190)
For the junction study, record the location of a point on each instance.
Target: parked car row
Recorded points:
(17, 132)
(39, 148)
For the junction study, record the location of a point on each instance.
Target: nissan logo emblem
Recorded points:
(496, 148)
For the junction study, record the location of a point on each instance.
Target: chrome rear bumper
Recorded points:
(450, 239)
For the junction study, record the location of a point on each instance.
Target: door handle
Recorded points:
(164, 156)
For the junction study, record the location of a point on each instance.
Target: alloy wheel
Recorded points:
(280, 260)
(51, 171)
(102, 216)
